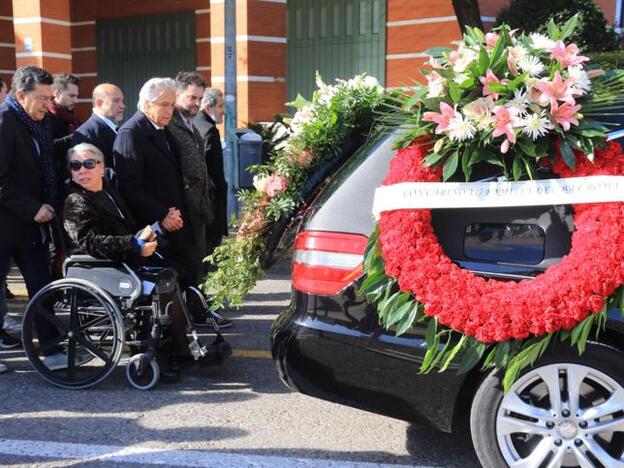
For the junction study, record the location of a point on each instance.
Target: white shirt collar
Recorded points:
(157, 127)
(106, 120)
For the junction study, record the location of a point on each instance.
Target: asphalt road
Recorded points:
(238, 414)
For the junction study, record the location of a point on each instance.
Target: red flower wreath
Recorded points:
(494, 310)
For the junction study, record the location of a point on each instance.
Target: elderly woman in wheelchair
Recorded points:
(116, 293)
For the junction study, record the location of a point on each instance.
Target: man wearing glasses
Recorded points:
(28, 188)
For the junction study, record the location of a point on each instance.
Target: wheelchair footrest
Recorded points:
(213, 354)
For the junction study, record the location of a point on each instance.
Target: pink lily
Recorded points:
(491, 39)
(555, 90)
(565, 114)
(567, 55)
(488, 79)
(505, 122)
(443, 119)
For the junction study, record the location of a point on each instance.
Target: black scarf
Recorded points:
(43, 136)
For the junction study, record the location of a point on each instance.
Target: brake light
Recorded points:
(325, 263)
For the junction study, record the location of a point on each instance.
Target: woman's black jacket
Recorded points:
(96, 227)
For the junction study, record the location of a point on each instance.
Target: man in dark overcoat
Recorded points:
(197, 183)
(29, 195)
(211, 114)
(150, 174)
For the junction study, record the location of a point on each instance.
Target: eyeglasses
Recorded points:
(75, 166)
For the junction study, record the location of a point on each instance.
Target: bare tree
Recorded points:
(468, 13)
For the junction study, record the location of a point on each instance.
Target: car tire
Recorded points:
(553, 436)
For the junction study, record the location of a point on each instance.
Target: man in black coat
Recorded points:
(101, 128)
(28, 189)
(197, 183)
(211, 114)
(149, 173)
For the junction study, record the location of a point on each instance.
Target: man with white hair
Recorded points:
(150, 176)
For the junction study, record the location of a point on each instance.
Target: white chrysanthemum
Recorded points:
(541, 42)
(531, 65)
(461, 129)
(580, 78)
(520, 101)
(536, 125)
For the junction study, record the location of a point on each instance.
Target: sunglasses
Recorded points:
(75, 166)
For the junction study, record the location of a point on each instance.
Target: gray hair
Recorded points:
(152, 89)
(26, 78)
(86, 147)
(211, 97)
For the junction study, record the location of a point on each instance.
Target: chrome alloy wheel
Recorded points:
(562, 415)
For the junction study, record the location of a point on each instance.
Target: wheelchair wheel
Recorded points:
(73, 333)
(142, 373)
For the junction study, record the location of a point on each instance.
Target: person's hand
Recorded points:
(148, 248)
(173, 220)
(45, 214)
(147, 234)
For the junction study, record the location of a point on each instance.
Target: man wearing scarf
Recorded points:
(28, 189)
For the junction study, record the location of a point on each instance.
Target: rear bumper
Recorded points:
(341, 355)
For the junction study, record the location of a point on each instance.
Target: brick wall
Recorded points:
(261, 57)
(65, 40)
(412, 28)
(7, 42)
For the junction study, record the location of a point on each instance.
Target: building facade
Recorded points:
(279, 43)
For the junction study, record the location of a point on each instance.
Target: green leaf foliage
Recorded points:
(590, 30)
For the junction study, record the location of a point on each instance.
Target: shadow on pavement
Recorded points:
(423, 440)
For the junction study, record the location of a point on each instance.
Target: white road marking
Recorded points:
(83, 453)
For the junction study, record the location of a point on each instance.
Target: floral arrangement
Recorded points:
(317, 132)
(504, 93)
(514, 102)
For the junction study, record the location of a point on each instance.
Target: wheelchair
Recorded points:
(100, 309)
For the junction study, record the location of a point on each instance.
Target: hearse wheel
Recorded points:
(567, 410)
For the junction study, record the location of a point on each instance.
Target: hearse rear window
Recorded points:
(504, 243)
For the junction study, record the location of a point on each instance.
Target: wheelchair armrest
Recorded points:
(86, 261)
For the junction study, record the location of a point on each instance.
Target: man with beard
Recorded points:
(64, 121)
(198, 186)
(101, 128)
(211, 114)
(197, 183)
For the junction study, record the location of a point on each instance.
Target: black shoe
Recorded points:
(8, 342)
(204, 320)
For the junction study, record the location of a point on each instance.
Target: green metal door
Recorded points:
(132, 50)
(339, 38)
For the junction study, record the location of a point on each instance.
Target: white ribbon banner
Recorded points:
(435, 195)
